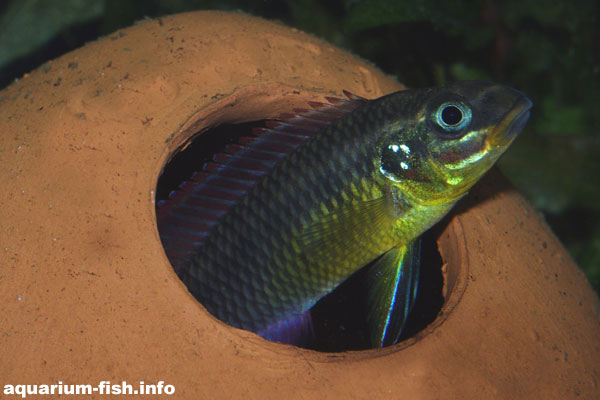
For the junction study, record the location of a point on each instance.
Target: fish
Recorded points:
(281, 218)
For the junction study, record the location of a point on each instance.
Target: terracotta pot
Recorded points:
(88, 294)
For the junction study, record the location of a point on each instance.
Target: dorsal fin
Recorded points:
(187, 217)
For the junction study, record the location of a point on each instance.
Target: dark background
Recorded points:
(549, 50)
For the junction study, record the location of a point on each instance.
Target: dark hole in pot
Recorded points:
(338, 318)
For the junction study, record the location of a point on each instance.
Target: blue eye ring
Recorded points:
(453, 116)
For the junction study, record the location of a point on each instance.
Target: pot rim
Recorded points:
(265, 101)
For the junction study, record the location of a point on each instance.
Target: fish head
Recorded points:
(449, 137)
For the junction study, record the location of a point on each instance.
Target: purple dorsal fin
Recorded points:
(192, 211)
(353, 97)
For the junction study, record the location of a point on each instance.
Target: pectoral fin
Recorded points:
(392, 291)
(338, 231)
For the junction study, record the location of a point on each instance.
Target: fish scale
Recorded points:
(285, 216)
(327, 155)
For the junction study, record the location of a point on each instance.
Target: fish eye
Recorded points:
(453, 116)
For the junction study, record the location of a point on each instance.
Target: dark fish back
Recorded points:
(241, 259)
(248, 270)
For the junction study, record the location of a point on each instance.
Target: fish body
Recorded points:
(284, 219)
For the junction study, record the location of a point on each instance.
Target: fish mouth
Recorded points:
(512, 123)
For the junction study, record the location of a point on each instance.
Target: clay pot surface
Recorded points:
(88, 294)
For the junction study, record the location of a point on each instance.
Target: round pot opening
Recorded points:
(339, 319)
